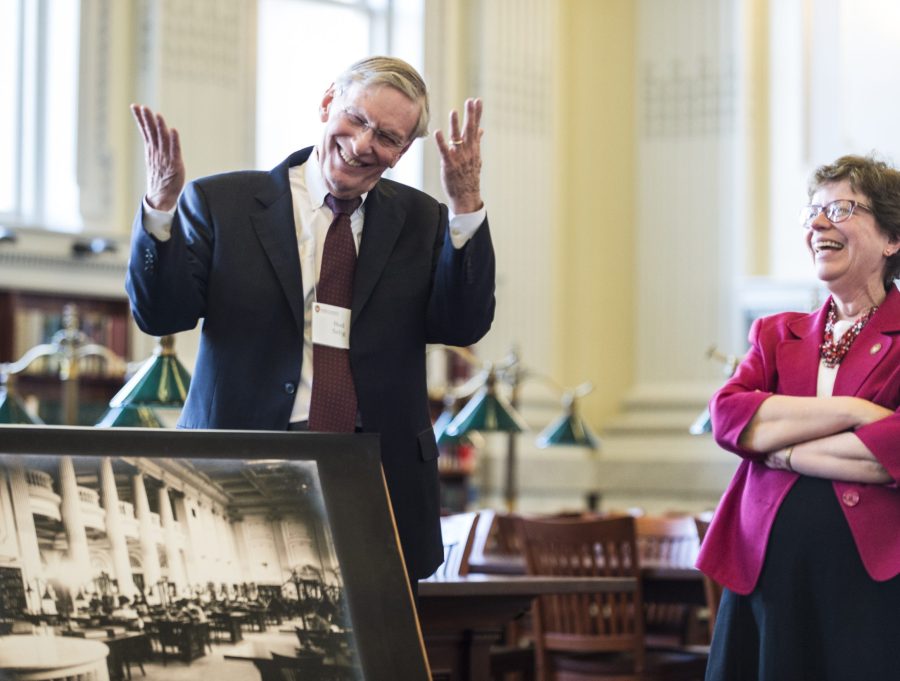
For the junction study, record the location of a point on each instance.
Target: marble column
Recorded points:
(115, 530)
(191, 568)
(170, 537)
(78, 553)
(149, 554)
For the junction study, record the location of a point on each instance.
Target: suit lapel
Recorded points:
(275, 229)
(383, 223)
(797, 358)
(870, 347)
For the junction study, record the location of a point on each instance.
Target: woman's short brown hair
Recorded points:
(880, 184)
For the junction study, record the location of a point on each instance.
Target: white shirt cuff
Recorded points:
(158, 223)
(464, 226)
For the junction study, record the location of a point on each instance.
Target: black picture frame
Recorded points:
(385, 627)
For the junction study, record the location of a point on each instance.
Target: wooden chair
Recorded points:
(300, 668)
(669, 541)
(585, 637)
(713, 589)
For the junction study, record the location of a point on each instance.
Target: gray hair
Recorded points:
(393, 72)
(880, 184)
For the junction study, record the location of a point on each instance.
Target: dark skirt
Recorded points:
(816, 614)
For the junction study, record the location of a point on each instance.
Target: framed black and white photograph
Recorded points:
(239, 555)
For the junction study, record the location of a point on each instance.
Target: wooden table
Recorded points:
(462, 617)
(260, 653)
(51, 657)
(124, 646)
(661, 583)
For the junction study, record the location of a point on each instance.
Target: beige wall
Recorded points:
(593, 290)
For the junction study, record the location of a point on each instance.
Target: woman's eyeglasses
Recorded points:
(836, 211)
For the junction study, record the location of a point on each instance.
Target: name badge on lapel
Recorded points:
(331, 326)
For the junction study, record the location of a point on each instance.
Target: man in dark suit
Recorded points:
(244, 252)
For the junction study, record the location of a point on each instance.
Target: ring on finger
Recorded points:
(454, 143)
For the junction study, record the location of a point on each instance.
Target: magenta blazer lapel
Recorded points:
(797, 358)
(871, 347)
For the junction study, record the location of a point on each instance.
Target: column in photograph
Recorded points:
(115, 530)
(149, 554)
(225, 544)
(241, 549)
(78, 555)
(191, 569)
(284, 565)
(170, 538)
(237, 574)
(29, 549)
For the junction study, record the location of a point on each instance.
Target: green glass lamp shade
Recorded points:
(568, 431)
(486, 412)
(13, 411)
(130, 416)
(162, 381)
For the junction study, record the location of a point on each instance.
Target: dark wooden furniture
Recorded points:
(185, 641)
(279, 659)
(669, 542)
(712, 589)
(596, 635)
(463, 617)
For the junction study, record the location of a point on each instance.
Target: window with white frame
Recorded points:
(303, 45)
(39, 47)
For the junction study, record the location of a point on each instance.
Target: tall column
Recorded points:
(173, 553)
(284, 565)
(115, 530)
(192, 571)
(149, 554)
(72, 521)
(29, 548)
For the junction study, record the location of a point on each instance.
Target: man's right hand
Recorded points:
(162, 156)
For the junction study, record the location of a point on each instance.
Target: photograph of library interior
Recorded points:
(489, 340)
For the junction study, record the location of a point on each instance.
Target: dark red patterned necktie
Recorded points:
(333, 403)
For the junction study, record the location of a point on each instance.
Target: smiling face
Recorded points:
(359, 123)
(849, 256)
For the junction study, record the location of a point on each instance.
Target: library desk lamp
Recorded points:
(490, 411)
(570, 430)
(703, 423)
(157, 388)
(67, 350)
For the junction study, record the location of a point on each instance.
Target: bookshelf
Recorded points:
(30, 318)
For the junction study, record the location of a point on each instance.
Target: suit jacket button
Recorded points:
(850, 497)
(290, 388)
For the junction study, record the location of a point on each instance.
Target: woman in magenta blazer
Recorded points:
(806, 538)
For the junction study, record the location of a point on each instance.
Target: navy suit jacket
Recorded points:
(233, 261)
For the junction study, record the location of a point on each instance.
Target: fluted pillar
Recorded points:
(78, 553)
(192, 571)
(29, 548)
(149, 554)
(115, 530)
(170, 537)
(284, 565)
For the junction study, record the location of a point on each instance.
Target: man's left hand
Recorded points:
(461, 160)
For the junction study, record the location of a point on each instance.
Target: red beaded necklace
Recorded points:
(832, 353)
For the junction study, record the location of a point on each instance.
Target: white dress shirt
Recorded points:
(312, 219)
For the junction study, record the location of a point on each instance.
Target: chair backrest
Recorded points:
(585, 623)
(506, 540)
(297, 668)
(458, 532)
(713, 589)
(667, 540)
